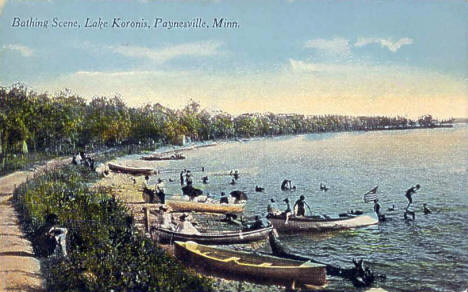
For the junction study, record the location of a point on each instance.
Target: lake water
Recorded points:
(428, 254)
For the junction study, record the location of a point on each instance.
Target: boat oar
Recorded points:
(310, 211)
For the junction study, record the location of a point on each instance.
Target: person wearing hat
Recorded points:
(185, 226)
(165, 217)
(300, 206)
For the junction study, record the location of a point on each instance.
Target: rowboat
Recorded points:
(321, 223)
(159, 157)
(206, 145)
(128, 169)
(221, 237)
(180, 205)
(249, 266)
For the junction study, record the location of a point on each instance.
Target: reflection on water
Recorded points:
(428, 254)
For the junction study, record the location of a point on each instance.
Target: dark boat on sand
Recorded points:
(130, 170)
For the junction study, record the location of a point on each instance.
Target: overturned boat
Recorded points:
(250, 266)
(221, 237)
(321, 223)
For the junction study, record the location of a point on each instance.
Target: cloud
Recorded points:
(301, 66)
(387, 43)
(300, 86)
(23, 50)
(336, 46)
(162, 55)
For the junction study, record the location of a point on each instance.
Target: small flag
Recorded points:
(370, 195)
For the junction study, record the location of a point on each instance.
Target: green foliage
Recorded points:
(62, 123)
(106, 252)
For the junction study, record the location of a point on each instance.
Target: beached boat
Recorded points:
(131, 170)
(160, 157)
(321, 223)
(180, 205)
(250, 266)
(220, 237)
(206, 145)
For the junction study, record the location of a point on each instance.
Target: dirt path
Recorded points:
(19, 269)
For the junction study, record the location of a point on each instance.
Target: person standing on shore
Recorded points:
(182, 178)
(159, 189)
(188, 178)
(148, 193)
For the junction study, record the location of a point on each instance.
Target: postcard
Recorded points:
(219, 145)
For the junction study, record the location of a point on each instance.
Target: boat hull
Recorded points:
(247, 266)
(130, 170)
(307, 224)
(188, 206)
(162, 158)
(167, 236)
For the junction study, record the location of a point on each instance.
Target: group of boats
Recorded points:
(289, 270)
(201, 251)
(279, 268)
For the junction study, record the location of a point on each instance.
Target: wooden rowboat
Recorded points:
(128, 169)
(226, 237)
(159, 157)
(249, 266)
(179, 205)
(321, 224)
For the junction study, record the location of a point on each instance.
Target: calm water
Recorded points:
(429, 254)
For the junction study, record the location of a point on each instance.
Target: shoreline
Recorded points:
(129, 182)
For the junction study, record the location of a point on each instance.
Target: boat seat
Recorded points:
(265, 264)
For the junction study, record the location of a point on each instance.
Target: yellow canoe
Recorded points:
(248, 266)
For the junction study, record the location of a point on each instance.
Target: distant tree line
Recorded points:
(61, 123)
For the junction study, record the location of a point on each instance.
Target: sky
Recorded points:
(405, 58)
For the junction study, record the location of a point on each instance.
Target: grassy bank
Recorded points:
(27, 161)
(106, 252)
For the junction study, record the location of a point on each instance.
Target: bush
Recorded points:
(106, 252)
